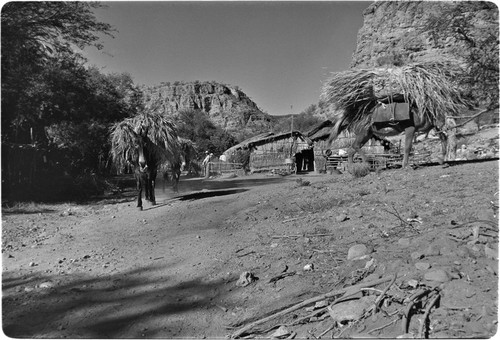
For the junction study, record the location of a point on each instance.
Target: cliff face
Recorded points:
(227, 106)
(397, 28)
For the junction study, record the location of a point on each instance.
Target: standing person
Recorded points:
(205, 163)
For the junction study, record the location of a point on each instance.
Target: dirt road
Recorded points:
(104, 269)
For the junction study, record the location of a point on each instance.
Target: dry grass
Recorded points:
(160, 130)
(431, 87)
(359, 169)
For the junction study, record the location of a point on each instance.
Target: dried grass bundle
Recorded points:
(430, 86)
(160, 130)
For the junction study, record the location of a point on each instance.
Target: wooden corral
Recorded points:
(220, 168)
(328, 156)
(279, 152)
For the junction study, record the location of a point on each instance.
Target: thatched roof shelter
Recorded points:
(430, 86)
(160, 130)
(264, 138)
(247, 143)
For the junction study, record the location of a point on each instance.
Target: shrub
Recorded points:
(359, 169)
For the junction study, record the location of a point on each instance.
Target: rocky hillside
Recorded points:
(227, 106)
(398, 32)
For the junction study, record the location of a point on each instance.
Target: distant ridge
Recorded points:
(227, 106)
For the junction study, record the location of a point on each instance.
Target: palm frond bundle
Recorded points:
(429, 86)
(160, 130)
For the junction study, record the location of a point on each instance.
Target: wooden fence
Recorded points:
(220, 168)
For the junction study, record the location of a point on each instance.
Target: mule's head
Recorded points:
(139, 143)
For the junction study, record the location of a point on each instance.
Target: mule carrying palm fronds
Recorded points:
(146, 142)
(189, 154)
(364, 101)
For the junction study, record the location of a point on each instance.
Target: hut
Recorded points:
(270, 151)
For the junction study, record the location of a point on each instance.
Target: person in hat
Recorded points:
(206, 161)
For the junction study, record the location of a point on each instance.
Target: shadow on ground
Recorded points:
(111, 306)
(206, 194)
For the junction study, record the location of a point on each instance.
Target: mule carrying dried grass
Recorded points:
(429, 89)
(146, 142)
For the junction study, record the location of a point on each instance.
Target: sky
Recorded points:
(278, 53)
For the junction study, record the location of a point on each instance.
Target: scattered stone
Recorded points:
(341, 218)
(413, 283)
(274, 245)
(417, 255)
(29, 289)
(404, 242)
(281, 332)
(321, 304)
(369, 263)
(32, 264)
(245, 279)
(475, 248)
(350, 310)
(357, 251)
(438, 275)
(309, 267)
(46, 285)
(422, 265)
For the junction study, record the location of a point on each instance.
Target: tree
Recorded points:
(196, 126)
(37, 39)
(473, 26)
(82, 129)
(302, 122)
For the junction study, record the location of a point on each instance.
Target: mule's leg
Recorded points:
(176, 184)
(409, 134)
(444, 146)
(176, 174)
(152, 191)
(146, 190)
(139, 193)
(358, 143)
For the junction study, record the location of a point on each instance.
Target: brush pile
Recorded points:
(160, 130)
(431, 87)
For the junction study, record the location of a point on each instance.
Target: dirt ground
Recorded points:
(103, 269)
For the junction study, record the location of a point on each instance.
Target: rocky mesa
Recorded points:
(227, 106)
(407, 31)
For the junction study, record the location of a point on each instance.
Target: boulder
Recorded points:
(357, 251)
(350, 310)
(438, 275)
